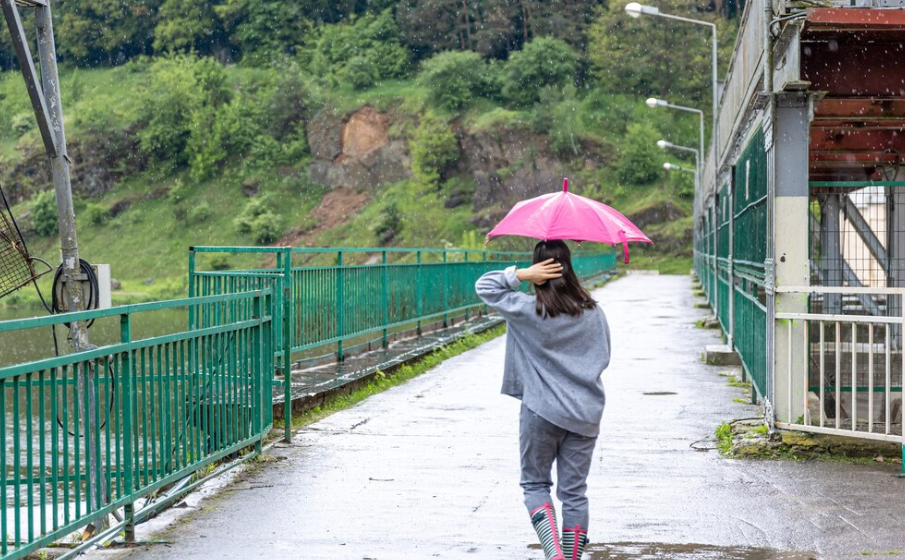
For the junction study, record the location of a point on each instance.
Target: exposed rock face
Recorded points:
(508, 166)
(97, 164)
(357, 152)
(656, 214)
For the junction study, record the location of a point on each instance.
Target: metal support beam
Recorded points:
(831, 251)
(35, 92)
(786, 142)
(895, 207)
(867, 300)
(864, 231)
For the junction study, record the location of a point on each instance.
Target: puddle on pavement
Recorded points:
(658, 393)
(663, 551)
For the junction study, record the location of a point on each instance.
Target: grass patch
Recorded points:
(738, 383)
(724, 438)
(398, 376)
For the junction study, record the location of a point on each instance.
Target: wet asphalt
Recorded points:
(430, 469)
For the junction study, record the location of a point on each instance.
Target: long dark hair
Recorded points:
(564, 295)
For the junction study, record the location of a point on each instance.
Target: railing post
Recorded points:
(445, 290)
(287, 306)
(888, 388)
(418, 304)
(466, 270)
(340, 305)
(258, 376)
(731, 302)
(125, 336)
(385, 298)
(192, 288)
(484, 260)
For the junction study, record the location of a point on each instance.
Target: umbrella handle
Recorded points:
(624, 247)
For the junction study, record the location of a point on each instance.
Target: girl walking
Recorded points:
(557, 346)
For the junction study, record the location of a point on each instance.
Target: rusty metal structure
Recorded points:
(800, 219)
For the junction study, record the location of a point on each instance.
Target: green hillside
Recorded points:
(178, 149)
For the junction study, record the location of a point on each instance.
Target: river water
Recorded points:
(34, 344)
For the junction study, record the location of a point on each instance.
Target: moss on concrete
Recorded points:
(750, 439)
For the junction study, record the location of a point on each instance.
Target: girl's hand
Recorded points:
(539, 273)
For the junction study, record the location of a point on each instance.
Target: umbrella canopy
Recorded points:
(565, 215)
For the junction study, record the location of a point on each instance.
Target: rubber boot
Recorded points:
(544, 521)
(574, 539)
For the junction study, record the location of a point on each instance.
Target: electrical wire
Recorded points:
(93, 289)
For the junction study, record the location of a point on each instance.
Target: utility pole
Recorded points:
(48, 107)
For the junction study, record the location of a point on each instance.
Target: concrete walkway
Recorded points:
(430, 469)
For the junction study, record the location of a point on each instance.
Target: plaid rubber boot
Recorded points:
(574, 539)
(544, 521)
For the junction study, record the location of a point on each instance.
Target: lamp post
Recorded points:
(666, 145)
(636, 10)
(673, 167)
(653, 103)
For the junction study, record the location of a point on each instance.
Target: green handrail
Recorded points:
(330, 300)
(164, 408)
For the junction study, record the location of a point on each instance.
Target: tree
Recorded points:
(648, 57)
(104, 31)
(434, 147)
(429, 26)
(180, 102)
(264, 28)
(639, 156)
(187, 26)
(543, 62)
(454, 79)
(374, 38)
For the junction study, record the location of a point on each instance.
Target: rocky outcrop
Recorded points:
(508, 165)
(98, 162)
(356, 152)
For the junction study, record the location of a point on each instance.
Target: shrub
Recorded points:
(434, 147)
(23, 123)
(97, 214)
(455, 78)
(182, 98)
(558, 114)
(361, 72)
(266, 228)
(542, 62)
(374, 37)
(231, 130)
(44, 213)
(390, 224)
(220, 262)
(199, 212)
(639, 156)
(259, 220)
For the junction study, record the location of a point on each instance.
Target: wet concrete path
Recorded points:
(430, 469)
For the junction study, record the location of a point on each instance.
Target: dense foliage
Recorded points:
(226, 90)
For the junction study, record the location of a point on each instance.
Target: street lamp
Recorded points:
(666, 145)
(653, 102)
(635, 10)
(673, 167)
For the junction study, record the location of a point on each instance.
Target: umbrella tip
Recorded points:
(565, 184)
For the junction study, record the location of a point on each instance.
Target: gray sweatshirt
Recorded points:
(553, 365)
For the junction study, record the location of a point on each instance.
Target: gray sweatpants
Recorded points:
(541, 443)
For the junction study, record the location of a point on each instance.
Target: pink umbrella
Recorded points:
(569, 216)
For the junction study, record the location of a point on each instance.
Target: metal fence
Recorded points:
(730, 250)
(850, 377)
(353, 293)
(104, 432)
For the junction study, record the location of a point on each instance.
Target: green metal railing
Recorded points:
(88, 434)
(332, 296)
(739, 216)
